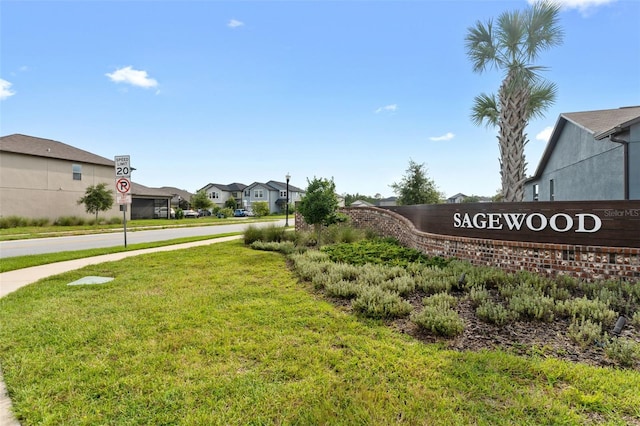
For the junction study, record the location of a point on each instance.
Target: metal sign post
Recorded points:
(123, 187)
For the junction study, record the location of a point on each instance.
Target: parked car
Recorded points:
(249, 213)
(204, 212)
(191, 213)
(239, 213)
(161, 212)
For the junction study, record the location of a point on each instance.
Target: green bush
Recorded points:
(438, 317)
(583, 308)
(584, 332)
(341, 233)
(635, 320)
(443, 300)
(478, 296)
(115, 221)
(260, 208)
(343, 289)
(624, 351)
(435, 284)
(494, 313)
(285, 247)
(374, 302)
(70, 221)
(529, 302)
(402, 285)
(225, 212)
(252, 234)
(12, 222)
(380, 251)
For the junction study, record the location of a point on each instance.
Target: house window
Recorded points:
(258, 193)
(552, 191)
(77, 171)
(214, 195)
(246, 193)
(536, 192)
(283, 194)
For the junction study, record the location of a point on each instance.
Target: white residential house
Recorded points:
(274, 193)
(219, 193)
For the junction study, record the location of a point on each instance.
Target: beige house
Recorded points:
(43, 178)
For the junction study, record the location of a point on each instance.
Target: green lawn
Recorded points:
(225, 335)
(26, 232)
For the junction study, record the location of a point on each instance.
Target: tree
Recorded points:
(97, 198)
(350, 198)
(260, 208)
(511, 47)
(416, 187)
(200, 200)
(319, 205)
(231, 203)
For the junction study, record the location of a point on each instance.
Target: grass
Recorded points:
(225, 335)
(7, 234)
(20, 262)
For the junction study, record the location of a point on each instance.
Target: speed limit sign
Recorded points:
(123, 167)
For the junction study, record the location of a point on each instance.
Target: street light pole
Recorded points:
(286, 207)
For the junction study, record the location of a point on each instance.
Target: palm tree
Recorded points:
(511, 47)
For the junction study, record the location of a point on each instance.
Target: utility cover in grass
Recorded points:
(91, 280)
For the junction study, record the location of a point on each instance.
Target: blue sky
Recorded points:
(243, 91)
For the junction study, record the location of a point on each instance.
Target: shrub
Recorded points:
(260, 208)
(402, 285)
(341, 233)
(69, 221)
(379, 251)
(304, 239)
(494, 313)
(444, 300)
(285, 247)
(584, 332)
(345, 271)
(529, 302)
(624, 351)
(273, 233)
(115, 221)
(374, 302)
(478, 296)
(438, 317)
(435, 284)
(252, 234)
(225, 212)
(12, 222)
(583, 308)
(343, 289)
(635, 320)
(372, 275)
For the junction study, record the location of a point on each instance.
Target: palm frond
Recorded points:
(542, 96)
(543, 29)
(480, 47)
(485, 110)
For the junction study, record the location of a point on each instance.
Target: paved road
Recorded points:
(83, 242)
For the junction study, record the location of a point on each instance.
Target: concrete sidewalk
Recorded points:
(13, 280)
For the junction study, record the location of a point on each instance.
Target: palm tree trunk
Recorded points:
(512, 139)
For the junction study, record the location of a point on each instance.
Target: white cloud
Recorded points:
(234, 23)
(446, 137)
(133, 77)
(5, 90)
(390, 108)
(584, 6)
(545, 134)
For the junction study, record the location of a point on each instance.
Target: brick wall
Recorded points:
(584, 262)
